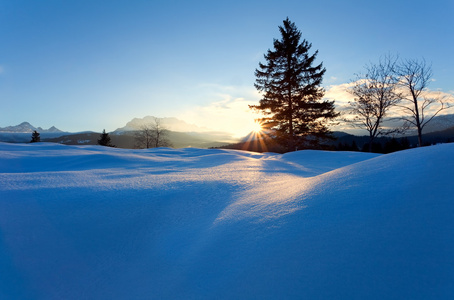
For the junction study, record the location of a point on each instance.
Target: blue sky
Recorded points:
(90, 65)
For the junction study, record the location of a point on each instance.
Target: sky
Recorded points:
(93, 65)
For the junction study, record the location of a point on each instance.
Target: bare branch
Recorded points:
(375, 94)
(152, 136)
(414, 78)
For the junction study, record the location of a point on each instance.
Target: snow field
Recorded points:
(88, 222)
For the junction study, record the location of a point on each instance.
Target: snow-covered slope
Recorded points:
(99, 223)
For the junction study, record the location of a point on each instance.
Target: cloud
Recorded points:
(437, 96)
(229, 114)
(229, 111)
(339, 93)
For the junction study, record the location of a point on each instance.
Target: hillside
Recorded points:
(345, 141)
(90, 222)
(182, 134)
(127, 139)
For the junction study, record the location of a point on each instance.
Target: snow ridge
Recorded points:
(101, 223)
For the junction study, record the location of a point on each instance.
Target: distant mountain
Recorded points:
(181, 133)
(22, 133)
(80, 138)
(429, 138)
(172, 124)
(440, 123)
(26, 127)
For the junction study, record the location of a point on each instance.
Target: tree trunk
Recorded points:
(419, 135)
(291, 141)
(418, 122)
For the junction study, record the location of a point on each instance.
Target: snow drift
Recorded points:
(90, 222)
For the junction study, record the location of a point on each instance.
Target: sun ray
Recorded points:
(255, 140)
(257, 127)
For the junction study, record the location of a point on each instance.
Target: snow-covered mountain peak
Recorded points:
(171, 123)
(26, 127)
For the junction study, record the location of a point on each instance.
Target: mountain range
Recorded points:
(26, 127)
(182, 134)
(171, 123)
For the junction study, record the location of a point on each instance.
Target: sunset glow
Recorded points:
(129, 61)
(256, 138)
(257, 127)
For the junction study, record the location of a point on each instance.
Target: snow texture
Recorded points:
(91, 222)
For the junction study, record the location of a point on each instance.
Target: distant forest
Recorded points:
(349, 142)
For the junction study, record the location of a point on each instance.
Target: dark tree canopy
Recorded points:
(35, 137)
(291, 92)
(104, 139)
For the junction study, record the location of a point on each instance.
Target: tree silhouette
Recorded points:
(35, 137)
(291, 90)
(375, 93)
(105, 139)
(415, 75)
(152, 136)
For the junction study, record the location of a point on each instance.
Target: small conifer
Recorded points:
(105, 139)
(35, 137)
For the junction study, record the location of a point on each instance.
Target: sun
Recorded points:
(257, 127)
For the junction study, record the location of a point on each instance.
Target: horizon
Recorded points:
(88, 66)
(441, 123)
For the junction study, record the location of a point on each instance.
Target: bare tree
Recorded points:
(415, 75)
(152, 136)
(160, 134)
(375, 92)
(144, 137)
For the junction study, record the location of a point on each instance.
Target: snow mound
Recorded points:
(89, 222)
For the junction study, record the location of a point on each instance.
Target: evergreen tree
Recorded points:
(291, 90)
(105, 139)
(35, 137)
